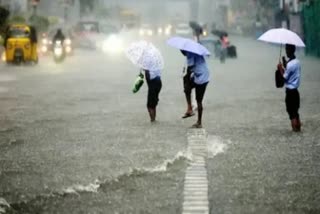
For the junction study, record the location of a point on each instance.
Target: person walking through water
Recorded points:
(153, 79)
(197, 76)
(291, 71)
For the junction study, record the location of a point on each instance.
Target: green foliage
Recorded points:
(1, 40)
(4, 14)
(311, 27)
(17, 20)
(39, 22)
(86, 5)
(53, 20)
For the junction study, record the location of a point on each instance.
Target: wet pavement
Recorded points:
(74, 139)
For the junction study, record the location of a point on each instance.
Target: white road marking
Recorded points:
(196, 180)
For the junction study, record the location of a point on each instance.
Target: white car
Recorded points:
(146, 30)
(183, 29)
(165, 30)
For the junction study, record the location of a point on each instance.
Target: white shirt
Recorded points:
(292, 74)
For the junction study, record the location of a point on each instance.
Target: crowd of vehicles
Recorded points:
(22, 44)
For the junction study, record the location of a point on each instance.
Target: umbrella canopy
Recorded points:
(145, 55)
(188, 45)
(282, 36)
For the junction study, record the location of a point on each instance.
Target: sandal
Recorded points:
(196, 126)
(186, 115)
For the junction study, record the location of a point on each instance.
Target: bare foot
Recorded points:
(154, 121)
(188, 114)
(196, 126)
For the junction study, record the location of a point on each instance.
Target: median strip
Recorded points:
(196, 180)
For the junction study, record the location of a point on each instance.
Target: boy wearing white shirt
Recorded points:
(291, 72)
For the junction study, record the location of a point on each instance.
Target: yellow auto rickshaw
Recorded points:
(21, 44)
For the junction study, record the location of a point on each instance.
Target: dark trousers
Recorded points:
(154, 86)
(189, 84)
(293, 103)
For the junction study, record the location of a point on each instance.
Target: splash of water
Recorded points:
(216, 146)
(94, 187)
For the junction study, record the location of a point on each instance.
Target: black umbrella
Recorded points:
(197, 28)
(219, 33)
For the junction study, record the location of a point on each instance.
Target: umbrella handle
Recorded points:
(280, 53)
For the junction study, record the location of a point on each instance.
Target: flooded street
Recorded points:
(75, 139)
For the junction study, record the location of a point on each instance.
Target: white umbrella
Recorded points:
(282, 36)
(189, 45)
(145, 55)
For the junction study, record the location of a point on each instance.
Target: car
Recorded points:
(146, 30)
(164, 30)
(109, 29)
(183, 29)
(86, 33)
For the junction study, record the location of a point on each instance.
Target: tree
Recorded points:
(17, 19)
(4, 15)
(40, 23)
(86, 5)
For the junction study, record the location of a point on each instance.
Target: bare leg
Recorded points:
(189, 103)
(200, 110)
(198, 124)
(152, 114)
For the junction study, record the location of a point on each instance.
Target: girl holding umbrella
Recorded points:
(146, 56)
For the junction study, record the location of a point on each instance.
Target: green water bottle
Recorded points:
(138, 83)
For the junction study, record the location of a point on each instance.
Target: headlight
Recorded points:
(68, 49)
(205, 33)
(160, 30)
(112, 44)
(44, 49)
(3, 57)
(44, 41)
(168, 31)
(68, 42)
(150, 32)
(58, 51)
(141, 32)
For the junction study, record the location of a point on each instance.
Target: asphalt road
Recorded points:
(74, 139)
